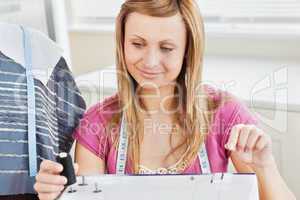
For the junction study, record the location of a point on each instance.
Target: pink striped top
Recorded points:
(92, 132)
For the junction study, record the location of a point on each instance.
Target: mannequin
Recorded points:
(52, 94)
(43, 62)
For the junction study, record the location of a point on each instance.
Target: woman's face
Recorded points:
(154, 48)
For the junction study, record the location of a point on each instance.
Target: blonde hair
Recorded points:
(196, 114)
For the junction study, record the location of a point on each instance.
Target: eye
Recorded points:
(165, 49)
(138, 45)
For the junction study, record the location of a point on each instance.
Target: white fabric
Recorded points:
(45, 53)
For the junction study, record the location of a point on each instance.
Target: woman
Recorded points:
(168, 117)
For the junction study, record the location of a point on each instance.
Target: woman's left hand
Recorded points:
(251, 146)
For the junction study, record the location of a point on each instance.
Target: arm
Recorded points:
(49, 183)
(87, 161)
(270, 183)
(251, 152)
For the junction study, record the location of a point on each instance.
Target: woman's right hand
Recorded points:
(49, 183)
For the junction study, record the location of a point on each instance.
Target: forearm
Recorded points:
(272, 185)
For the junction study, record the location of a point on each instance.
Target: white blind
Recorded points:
(284, 9)
(9, 6)
(277, 10)
(279, 17)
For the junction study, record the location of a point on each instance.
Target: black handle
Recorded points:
(68, 171)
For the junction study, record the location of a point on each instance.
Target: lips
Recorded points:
(149, 74)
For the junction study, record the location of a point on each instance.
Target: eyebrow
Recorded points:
(169, 41)
(139, 37)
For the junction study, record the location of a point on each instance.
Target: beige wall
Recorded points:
(89, 51)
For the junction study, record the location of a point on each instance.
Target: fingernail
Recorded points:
(65, 180)
(229, 147)
(60, 168)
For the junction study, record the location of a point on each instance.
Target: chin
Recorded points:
(152, 84)
(148, 84)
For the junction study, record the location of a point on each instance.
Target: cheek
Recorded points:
(131, 56)
(174, 67)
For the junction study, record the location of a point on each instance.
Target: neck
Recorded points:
(157, 101)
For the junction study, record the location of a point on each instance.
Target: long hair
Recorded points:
(196, 116)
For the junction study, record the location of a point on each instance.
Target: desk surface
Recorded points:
(176, 187)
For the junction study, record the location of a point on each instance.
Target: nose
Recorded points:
(151, 58)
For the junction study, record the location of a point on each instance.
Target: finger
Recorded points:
(243, 137)
(253, 139)
(262, 143)
(76, 168)
(48, 196)
(51, 166)
(48, 188)
(234, 134)
(50, 179)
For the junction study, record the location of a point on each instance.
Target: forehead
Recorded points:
(159, 28)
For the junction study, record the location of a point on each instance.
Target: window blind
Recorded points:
(9, 6)
(280, 17)
(95, 8)
(251, 10)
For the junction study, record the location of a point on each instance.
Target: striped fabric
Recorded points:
(59, 107)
